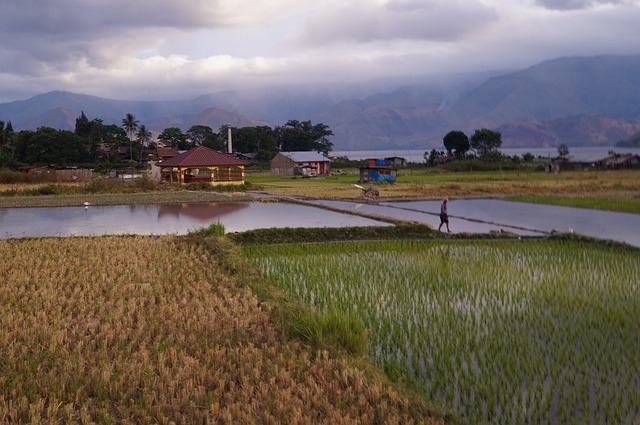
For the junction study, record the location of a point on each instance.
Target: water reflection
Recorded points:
(166, 219)
(470, 216)
(484, 215)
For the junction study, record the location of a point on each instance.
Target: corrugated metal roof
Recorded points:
(305, 156)
(201, 157)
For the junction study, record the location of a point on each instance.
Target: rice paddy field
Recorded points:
(136, 330)
(507, 332)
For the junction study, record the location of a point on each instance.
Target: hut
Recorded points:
(379, 170)
(202, 164)
(309, 164)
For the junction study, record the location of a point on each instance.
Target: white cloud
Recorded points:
(163, 48)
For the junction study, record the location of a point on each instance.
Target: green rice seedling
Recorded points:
(515, 331)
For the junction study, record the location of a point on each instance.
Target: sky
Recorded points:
(168, 49)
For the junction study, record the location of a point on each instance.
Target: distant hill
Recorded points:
(577, 101)
(544, 105)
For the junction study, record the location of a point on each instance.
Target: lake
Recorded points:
(590, 153)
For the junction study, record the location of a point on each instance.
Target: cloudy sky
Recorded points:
(168, 49)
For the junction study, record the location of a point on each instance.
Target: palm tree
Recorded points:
(130, 125)
(143, 136)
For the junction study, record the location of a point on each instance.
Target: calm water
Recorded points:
(485, 215)
(166, 219)
(469, 216)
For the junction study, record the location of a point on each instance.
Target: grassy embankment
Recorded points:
(617, 190)
(173, 329)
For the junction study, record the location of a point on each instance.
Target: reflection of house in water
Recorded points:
(200, 212)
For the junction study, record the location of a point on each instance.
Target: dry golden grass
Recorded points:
(430, 185)
(162, 330)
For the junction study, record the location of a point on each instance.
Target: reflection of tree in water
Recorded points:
(147, 208)
(202, 212)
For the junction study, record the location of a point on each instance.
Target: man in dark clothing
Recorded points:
(444, 215)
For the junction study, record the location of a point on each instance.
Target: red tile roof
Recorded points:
(201, 157)
(167, 152)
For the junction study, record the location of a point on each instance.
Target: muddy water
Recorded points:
(166, 219)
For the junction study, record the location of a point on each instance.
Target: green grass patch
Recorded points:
(501, 331)
(628, 204)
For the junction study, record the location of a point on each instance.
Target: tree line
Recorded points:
(93, 142)
(457, 144)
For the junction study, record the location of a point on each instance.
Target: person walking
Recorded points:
(444, 215)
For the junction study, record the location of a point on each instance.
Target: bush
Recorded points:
(49, 189)
(332, 328)
(8, 176)
(104, 185)
(214, 229)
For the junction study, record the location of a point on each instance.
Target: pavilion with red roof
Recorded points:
(203, 164)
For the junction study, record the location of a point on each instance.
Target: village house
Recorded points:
(309, 164)
(164, 152)
(618, 161)
(200, 164)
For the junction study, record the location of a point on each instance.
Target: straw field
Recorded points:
(511, 332)
(165, 330)
(412, 183)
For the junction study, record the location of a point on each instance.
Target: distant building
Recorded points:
(379, 170)
(397, 161)
(308, 164)
(201, 164)
(618, 161)
(163, 153)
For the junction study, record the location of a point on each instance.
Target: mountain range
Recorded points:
(579, 101)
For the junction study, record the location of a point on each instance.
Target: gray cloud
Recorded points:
(574, 4)
(167, 49)
(399, 19)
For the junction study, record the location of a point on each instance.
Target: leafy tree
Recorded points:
(6, 145)
(50, 146)
(130, 124)
(563, 150)
(255, 139)
(202, 135)
(432, 157)
(83, 126)
(304, 136)
(528, 157)
(485, 141)
(456, 142)
(6, 135)
(175, 137)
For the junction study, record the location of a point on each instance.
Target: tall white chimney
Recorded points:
(229, 145)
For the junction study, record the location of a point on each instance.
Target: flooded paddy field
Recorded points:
(167, 219)
(466, 216)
